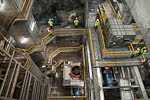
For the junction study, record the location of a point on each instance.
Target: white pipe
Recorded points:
(89, 62)
(100, 81)
(90, 70)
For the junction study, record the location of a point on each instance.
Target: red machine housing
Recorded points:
(75, 71)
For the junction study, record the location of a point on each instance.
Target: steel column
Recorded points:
(15, 81)
(11, 79)
(7, 72)
(25, 78)
(25, 87)
(34, 89)
(138, 77)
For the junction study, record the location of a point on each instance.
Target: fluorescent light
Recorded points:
(24, 40)
(32, 26)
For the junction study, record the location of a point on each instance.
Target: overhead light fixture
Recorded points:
(24, 40)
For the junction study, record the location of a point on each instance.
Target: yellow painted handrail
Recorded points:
(115, 13)
(28, 51)
(55, 32)
(92, 48)
(104, 46)
(63, 48)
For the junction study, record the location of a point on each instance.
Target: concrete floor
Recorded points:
(57, 82)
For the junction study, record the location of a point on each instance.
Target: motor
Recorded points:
(108, 77)
(77, 91)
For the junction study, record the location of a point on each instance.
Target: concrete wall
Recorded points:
(140, 10)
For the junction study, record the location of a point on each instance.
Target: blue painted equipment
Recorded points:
(77, 91)
(108, 77)
(55, 19)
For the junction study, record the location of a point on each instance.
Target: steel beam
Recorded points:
(15, 81)
(38, 89)
(42, 93)
(25, 87)
(117, 87)
(138, 77)
(100, 81)
(28, 88)
(25, 78)
(11, 79)
(34, 89)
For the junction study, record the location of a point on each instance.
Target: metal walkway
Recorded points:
(58, 32)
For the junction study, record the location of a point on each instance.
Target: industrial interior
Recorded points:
(74, 50)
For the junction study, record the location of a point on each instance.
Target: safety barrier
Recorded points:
(44, 40)
(92, 48)
(63, 49)
(104, 46)
(131, 50)
(28, 61)
(55, 33)
(102, 15)
(53, 70)
(113, 9)
(85, 88)
(25, 7)
(121, 63)
(8, 19)
(118, 15)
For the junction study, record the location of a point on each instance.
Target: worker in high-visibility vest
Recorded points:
(97, 11)
(49, 30)
(136, 53)
(76, 22)
(50, 22)
(97, 23)
(143, 50)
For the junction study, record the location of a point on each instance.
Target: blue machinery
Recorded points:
(108, 77)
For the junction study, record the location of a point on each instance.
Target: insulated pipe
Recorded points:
(89, 62)
(20, 58)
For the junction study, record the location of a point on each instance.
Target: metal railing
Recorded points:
(22, 11)
(15, 73)
(103, 20)
(131, 50)
(102, 15)
(63, 49)
(116, 52)
(25, 7)
(55, 33)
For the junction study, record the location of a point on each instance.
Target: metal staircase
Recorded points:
(20, 81)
